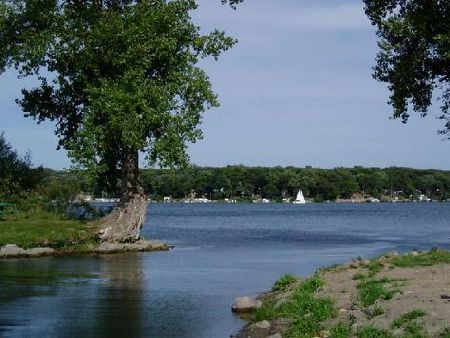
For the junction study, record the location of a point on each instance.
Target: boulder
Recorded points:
(264, 325)
(391, 254)
(11, 250)
(245, 305)
(140, 245)
(37, 252)
(276, 335)
(106, 247)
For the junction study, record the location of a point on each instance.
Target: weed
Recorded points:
(283, 283)
(374, 268)
(267, 311)
(341, 330)
(370, 331)
(372, 290)
(414, 330)
(408, 317)
(307, 311)
(445, 333)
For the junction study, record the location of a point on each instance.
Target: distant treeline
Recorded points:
(283, 182)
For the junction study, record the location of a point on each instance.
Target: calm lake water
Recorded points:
(222, 251)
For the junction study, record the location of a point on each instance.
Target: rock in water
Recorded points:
(245, 305)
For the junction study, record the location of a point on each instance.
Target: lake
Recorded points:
(221, 251)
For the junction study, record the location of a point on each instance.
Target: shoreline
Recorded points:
(10, 251)
(391, 296)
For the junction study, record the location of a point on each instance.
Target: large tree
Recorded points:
(118, 77)
(414, 56)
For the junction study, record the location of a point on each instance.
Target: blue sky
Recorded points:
(297, 90)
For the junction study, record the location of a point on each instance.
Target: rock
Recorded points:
(364, 263)
(276, 335)
(280, 302)
(11, 250)
(106, 247)
(354, 265)
(140, 245)
(265, 325)
(324, 334)
(37, 252)
(391, 254)
(414, 253)
(245, 305)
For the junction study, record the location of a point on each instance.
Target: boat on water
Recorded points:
(300, 199)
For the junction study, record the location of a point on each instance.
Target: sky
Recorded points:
(296, 90)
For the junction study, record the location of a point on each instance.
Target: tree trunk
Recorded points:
(124, 223)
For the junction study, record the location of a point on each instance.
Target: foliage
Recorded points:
(117, 77)
(283, 282)
(424, 259)
(15, 171)
(283, 182)
(414, 57)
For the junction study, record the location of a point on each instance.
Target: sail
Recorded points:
(300, 198)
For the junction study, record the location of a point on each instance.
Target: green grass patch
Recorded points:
(408, 317)
(284, 282)
(370, 291)
(307, 310)
(374, 268)
(414, 330)
(370, 331)
(429, 258)
(445, 333)
(341, 330)
(38, 228)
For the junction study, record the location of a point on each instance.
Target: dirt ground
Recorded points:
(424, 288)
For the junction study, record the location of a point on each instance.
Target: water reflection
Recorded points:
(67, 297)
(120, 309)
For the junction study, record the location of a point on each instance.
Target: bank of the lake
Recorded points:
(390, 296)
(38, 233)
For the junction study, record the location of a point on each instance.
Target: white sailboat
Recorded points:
(300, 198)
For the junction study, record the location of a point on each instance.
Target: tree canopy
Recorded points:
(117, 76)
(15, 171)
(414, 55)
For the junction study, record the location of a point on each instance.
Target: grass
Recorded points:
(39, 228)
(414, 330)
(341, 330)
(445, 333)
(307, 310)
(369, 291)
(370, 331)
(429, 258)
(284, 282)
(408, 317)
(374, 268)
